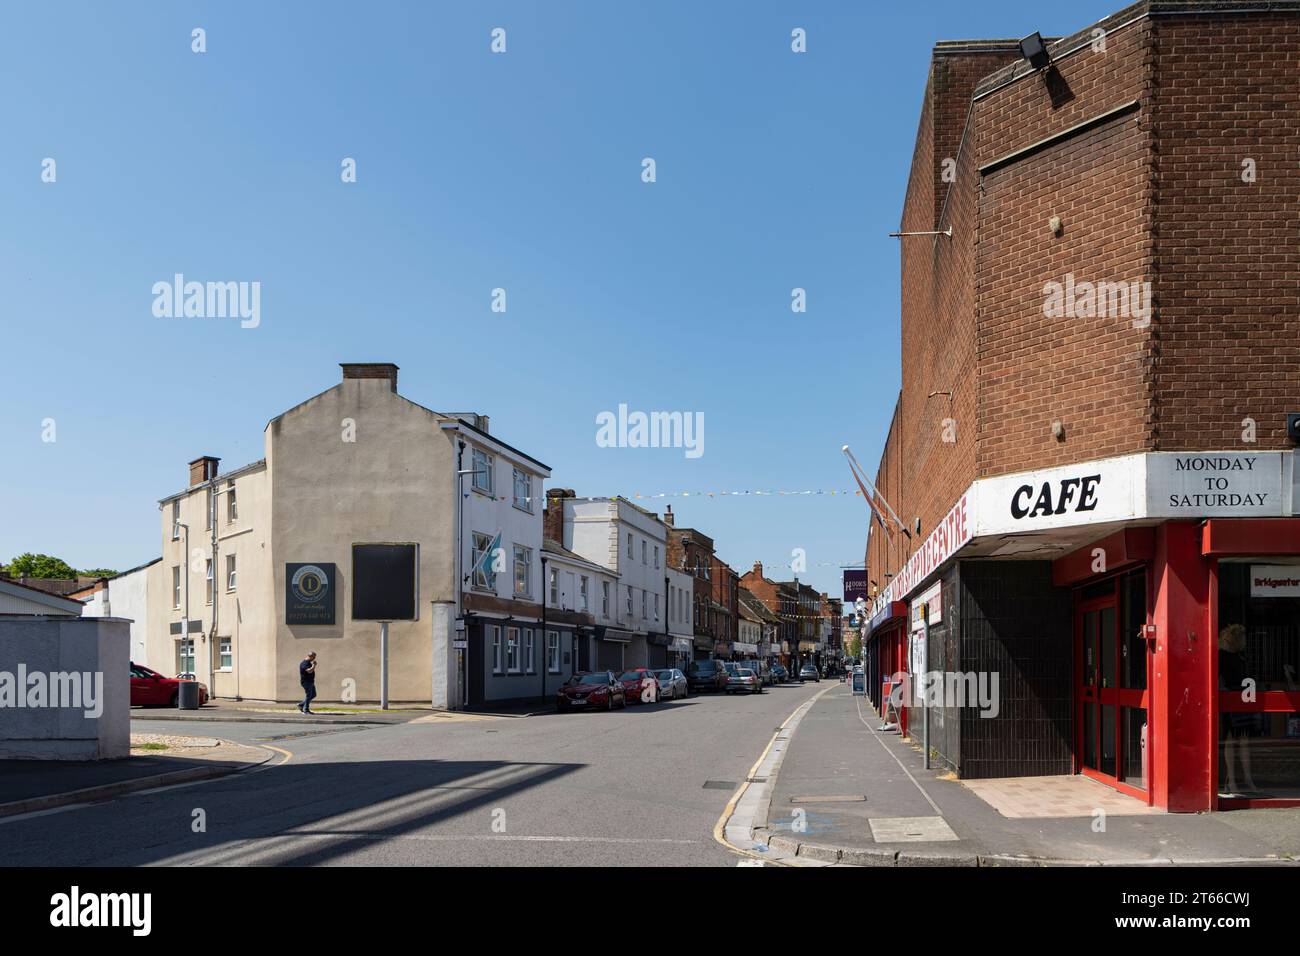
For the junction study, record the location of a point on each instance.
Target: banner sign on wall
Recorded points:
(855, 585)
(309, 593)
(952, 534)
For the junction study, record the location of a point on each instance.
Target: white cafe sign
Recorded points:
(1089, 493)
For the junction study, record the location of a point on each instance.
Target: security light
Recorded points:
(1033, 49)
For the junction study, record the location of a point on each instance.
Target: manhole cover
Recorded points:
(720, 785)
(836, 798)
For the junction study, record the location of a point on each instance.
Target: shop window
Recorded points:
(1259, 679)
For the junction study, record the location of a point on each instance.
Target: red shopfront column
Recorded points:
(1182, 699)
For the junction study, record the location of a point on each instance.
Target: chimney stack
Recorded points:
(382, 370)
(758, 569)
(553, 514)
(203, 469)
(668, 517)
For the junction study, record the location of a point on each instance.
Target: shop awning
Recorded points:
(681, 644)
(892, 612)
(741, 647)
(615, 634)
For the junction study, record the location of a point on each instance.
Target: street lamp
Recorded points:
(185, 576)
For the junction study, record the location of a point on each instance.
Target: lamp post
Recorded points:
(185, 576)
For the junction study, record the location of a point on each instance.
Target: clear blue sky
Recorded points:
(475, 171)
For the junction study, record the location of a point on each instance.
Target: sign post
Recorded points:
(385, 588)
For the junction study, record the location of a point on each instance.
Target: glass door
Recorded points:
(1111, 711)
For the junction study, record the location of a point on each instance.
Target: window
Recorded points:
(232, 507)
(629, 600)
(656, 557)
(523, 569)
(208, 506)
(185, 656)
(530, 661)
(230, 572)
(629, 544)
(512, 650)
(208, 576)
(552, 652)
(485, 576)
(643, 605)
(176, 585)
(176, 519)
(494, 632)
(483, 465)
(643, 551)
(582, 590)
(555, 588)
(523, 490)
(604, 598)
(656, 607)
(227, 654)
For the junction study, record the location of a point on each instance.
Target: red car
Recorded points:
(588, 691)
(640, 685)
(151, 689)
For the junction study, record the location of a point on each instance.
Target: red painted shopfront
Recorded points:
(1187, 662)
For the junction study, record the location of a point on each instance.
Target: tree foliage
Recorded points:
(30, 565)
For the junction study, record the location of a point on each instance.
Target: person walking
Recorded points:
(307, 677)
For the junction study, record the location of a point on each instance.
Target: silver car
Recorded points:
(672, 684)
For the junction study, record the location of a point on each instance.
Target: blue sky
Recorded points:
(475, 171)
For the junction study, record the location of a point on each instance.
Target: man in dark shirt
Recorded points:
(307, 677)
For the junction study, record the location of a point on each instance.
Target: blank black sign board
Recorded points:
(383, 582)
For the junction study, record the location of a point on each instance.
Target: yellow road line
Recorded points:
(720, 828)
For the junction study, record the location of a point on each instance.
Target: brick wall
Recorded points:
(1153, 195)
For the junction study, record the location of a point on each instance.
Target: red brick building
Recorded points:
(725, 612)
(1100, 350)
(691, 552)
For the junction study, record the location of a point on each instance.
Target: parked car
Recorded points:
(640, 686)
(591, 690)
(760, 667)
(743, 679)
(809, 672)
(672, 684)
(706, 675)
(151, 689)
(779, 674)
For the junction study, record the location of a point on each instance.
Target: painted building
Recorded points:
(260, 564)
(630, 543)
(1093, 450)
(126, 595)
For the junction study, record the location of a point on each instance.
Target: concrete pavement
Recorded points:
(844, 793)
